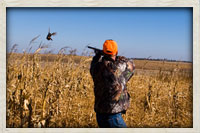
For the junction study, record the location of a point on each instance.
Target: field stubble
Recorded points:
(57, 91)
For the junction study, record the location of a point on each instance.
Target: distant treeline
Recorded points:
(161, 60)
(52, 57)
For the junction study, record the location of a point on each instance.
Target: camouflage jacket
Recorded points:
(110, 78)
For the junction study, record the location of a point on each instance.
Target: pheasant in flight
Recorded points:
(49, 35)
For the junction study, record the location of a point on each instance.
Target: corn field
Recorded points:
(56, 90)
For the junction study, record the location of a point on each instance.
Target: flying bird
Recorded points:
(50, 34)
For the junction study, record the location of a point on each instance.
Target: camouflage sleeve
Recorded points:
(130, 69)
(95, 60)
(127, 68)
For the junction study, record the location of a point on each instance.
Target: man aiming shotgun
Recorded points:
(110, 74)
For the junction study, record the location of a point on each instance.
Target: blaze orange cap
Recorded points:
(110, 47)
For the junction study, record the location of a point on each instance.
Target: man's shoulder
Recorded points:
(128, 61)
(123, 59)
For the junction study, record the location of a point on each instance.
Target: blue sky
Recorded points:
(139, 32)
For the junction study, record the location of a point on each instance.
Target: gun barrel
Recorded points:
(96, 49)
(91, 47)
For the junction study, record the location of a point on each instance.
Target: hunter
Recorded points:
(110, 74)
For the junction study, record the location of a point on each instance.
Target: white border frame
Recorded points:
(101, 3)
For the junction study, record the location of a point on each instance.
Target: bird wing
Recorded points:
(54, 33)
(49, 29)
